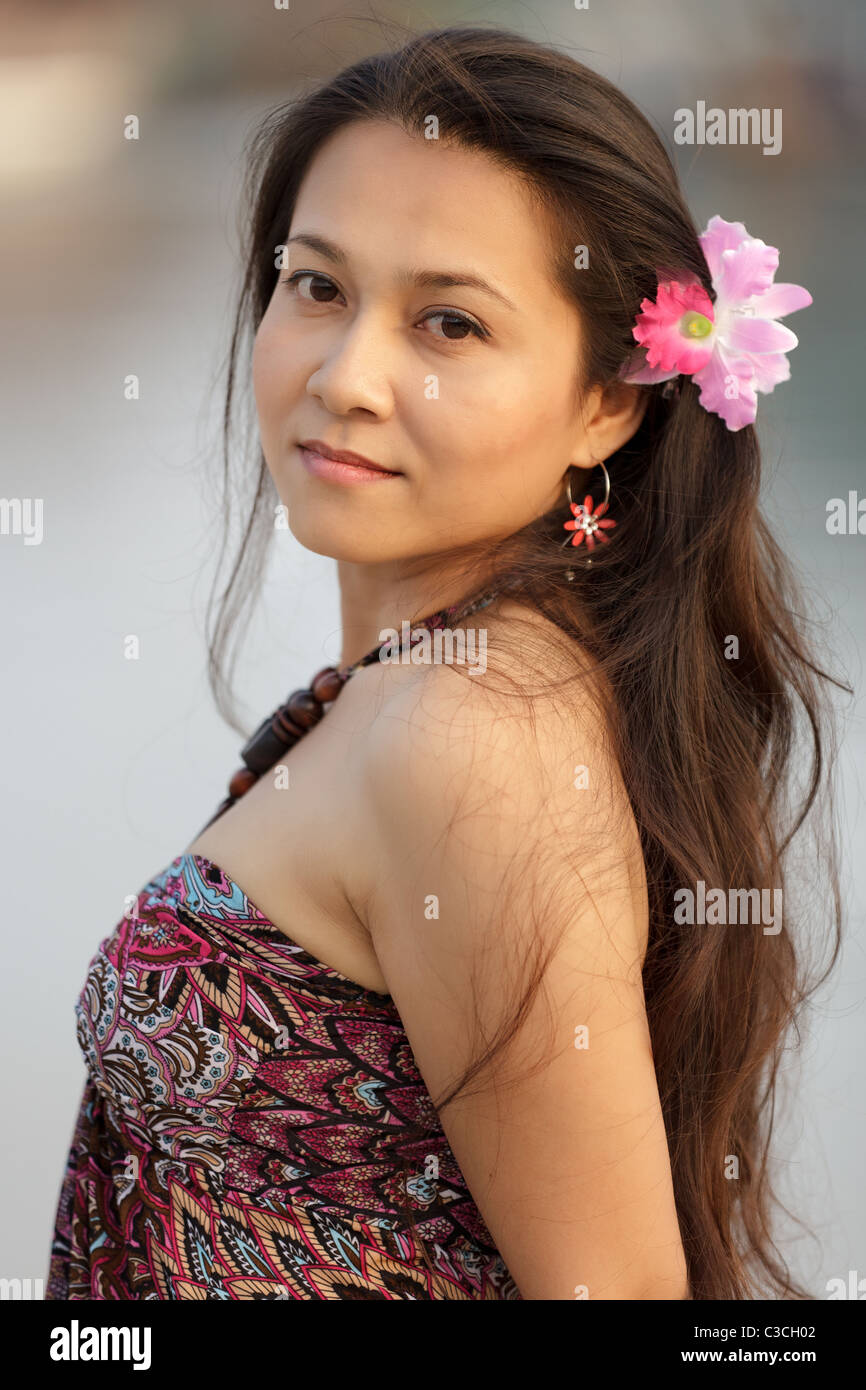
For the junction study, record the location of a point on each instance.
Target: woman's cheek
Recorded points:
(270, 381)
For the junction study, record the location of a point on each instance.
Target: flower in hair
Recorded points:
(587, 524)
(732, 348)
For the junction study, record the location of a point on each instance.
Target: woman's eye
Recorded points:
(324, 283)
(455, 327)
(457, 321)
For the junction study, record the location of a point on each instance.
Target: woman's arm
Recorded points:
(480, 850)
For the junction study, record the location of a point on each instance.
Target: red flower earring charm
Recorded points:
(587, 524)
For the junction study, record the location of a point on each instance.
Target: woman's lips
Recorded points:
(335, 471)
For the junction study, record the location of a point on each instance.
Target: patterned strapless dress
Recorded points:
(250, 1123)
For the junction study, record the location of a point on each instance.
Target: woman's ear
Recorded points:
(612, 415)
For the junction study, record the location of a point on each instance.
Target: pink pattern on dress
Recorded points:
(253, 1124)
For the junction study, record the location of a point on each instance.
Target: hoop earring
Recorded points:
(586, 523)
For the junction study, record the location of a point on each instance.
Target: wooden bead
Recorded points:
(325, 671)
(286, 728)
(241, 782)
(304, 709)
(266, 745)
(327, 685)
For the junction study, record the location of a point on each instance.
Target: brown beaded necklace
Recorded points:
(281, 730)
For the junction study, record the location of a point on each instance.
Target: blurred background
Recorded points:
(121, 256)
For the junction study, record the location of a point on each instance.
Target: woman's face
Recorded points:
(468, 392)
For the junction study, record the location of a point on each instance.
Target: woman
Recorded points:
(427, 1009)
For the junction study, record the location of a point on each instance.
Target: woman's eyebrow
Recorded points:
(424, 279)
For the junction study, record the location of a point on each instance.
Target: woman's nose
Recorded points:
(355, 370)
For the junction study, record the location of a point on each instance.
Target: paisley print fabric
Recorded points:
(253, 1124)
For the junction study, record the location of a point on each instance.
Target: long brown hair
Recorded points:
(708, 746)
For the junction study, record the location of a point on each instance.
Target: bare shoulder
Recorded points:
(520, 676)
(501, 772)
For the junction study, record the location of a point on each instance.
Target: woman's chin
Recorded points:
(339, 543)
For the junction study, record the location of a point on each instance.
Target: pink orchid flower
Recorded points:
(732, 349)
